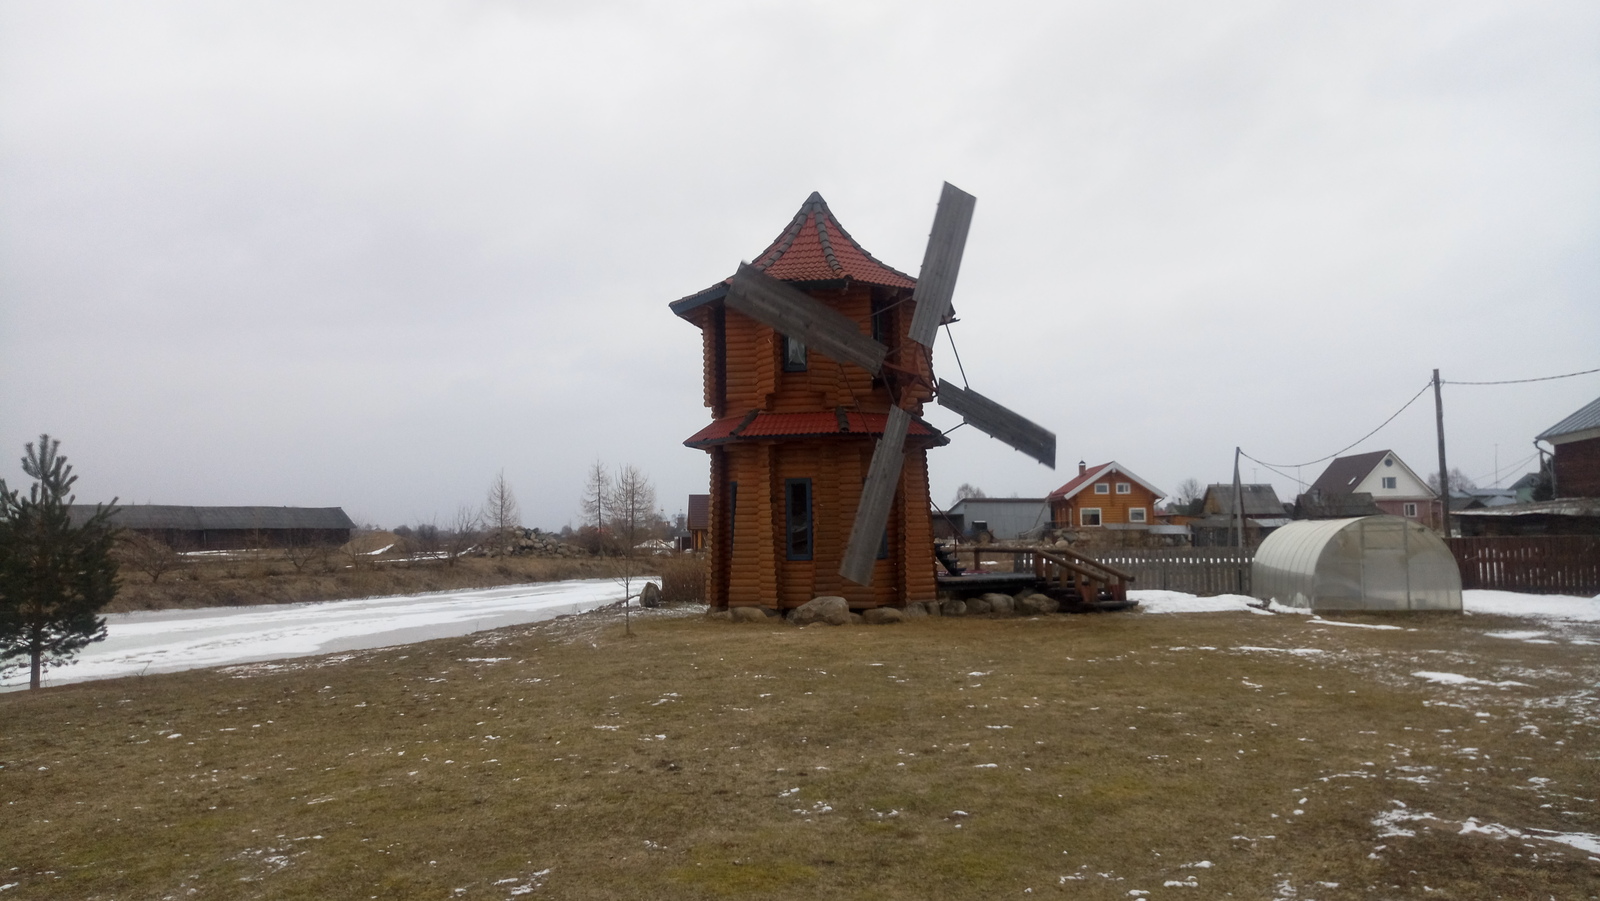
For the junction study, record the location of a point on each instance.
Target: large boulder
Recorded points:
(978, 606)
(749, 614)
(721, 613)
(1035, 604)
(650, 595)
(882, 616)
(915, 610)
(835, 611)
(953, 607)
(1000, 604)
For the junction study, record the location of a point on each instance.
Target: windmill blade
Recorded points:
(872, 514)
(941, 261)
(800, 316)
(989, 417)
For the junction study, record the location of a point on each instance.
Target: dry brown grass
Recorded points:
(1088, 756)
(271, 578)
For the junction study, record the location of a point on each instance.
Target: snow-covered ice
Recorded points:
(171, 640)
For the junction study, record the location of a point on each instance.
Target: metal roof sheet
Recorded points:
(167, 516)
(1092, 474)
(1582, 421)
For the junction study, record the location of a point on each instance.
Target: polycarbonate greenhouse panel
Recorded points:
(1366, 563)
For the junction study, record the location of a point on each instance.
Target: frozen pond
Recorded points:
(169, 640)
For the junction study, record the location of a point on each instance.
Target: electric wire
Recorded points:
(1341, 450)
(1546, 378)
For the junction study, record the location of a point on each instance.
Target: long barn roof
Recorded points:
(814, 247)
(166, 516)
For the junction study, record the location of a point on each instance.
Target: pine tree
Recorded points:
(54, 576)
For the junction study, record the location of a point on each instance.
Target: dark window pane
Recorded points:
(797, 506)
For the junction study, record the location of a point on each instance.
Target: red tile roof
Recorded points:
(757, 425)
(815, 247)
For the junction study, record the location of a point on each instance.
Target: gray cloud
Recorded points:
(369, 254)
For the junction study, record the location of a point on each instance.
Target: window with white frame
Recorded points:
(1136, 514)
(1391, 481)
(1124, 488)
(1089, 516)
(1411, 510)
(1102, 488)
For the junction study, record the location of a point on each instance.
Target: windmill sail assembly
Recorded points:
(818, 360)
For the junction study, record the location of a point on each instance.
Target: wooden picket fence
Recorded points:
(1202, 571)
(1535, 564)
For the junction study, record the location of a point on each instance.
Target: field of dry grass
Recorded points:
(1116, 756)
(270, 577)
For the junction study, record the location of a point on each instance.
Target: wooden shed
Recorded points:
(230, 528)
(792, 432)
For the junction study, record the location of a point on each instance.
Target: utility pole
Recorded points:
(1238, 502)
(1444, 474)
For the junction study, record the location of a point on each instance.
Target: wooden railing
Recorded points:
(1536, 564)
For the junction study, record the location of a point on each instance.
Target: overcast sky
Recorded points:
(368, 255)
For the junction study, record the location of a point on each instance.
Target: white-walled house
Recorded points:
(1394, 486)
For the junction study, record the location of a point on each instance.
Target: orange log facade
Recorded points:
(793, 432)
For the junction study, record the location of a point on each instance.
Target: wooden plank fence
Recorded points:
(1536, 564)
(1202, 571)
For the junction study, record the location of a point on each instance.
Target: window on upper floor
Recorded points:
(1124, 488)
(794, 354)
(1391, 481)
(1102, 488)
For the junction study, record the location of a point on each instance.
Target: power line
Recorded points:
(1547, 378)
(1353, 443)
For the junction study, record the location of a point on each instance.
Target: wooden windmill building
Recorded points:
(816, 368)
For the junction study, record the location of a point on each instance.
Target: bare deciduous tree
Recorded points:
(151, 556)
(462, 535)
(967, 490)
(633, 520)
(597, 504)
(501, 517)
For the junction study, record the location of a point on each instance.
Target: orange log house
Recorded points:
(792, 431)
(1104, 496)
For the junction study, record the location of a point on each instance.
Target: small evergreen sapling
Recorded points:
(54, 577)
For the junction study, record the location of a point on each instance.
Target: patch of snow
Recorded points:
(1559, 607)
(1300, 651)
(171, 640)
(1458, 679)
(1157, 601)
(1333, 622)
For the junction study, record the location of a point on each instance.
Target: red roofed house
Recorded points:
(1107, 497)
(792, 432)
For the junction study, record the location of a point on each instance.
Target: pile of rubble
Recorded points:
(527, 543)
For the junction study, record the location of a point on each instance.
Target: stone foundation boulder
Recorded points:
(1035, 604)
(882, 616)
(978, 606)
(915, 611)
(1000, 604)
(750, 614)
(835, 611)
(720, 613)
(953, 607)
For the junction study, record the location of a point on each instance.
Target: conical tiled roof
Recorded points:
(815, 247)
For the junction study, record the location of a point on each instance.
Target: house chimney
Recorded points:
(1082, 467)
